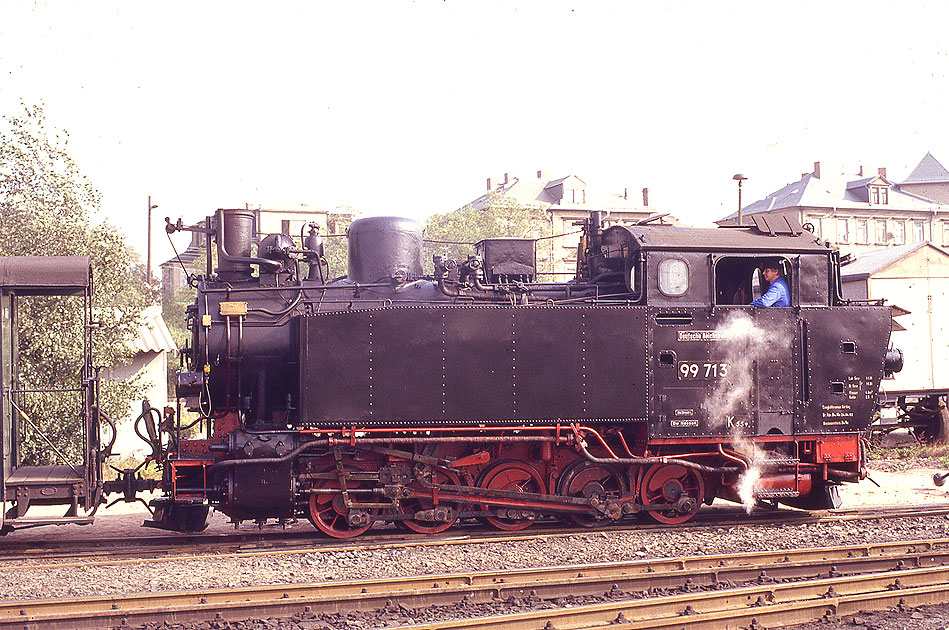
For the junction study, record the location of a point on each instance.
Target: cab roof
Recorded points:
(773, 235)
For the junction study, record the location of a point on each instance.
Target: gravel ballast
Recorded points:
(49, 581)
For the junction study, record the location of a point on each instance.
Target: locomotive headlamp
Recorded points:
(893, 361)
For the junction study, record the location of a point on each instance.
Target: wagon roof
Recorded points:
(46, 274)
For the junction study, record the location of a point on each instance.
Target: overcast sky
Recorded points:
(406, 108)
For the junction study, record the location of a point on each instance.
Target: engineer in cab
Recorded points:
(778, 293)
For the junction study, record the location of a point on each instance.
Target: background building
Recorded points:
(863, 211)
(566, 201)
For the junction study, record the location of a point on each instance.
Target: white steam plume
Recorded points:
(741, 343)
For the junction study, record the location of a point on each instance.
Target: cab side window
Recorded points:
(673, 277)
(738, 279)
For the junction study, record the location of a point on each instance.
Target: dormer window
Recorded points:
(879, 194)
(578, 195)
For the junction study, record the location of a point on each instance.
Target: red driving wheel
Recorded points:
(671, 483)
(328, 512)
(513, 476)
(430, 502)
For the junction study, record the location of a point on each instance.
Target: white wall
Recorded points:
(924, 343)
(153, 368)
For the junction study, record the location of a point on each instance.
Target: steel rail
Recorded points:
(772, 606)
(547, 582)
(250, 544)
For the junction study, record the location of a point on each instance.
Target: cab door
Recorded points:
(722, 372)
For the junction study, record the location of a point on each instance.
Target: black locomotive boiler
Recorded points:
(645, 385)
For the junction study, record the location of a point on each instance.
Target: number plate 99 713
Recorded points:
(702, 371)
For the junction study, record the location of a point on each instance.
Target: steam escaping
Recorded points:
(741, 343)
(747, 484)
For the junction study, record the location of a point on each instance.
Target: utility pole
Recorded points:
(148, 263)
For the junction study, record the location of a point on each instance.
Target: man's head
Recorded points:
(771, 270)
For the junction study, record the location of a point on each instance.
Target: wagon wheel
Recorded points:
(329, 514)
(513, 476)
(936, 427)
(588, 480)
(417, 504)
(669, 483)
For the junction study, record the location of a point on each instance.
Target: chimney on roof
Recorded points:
(490, 184)
(645, 197)
(817, 170)
(541, 174)
(882, 171)
(507, 178)
(860, 174)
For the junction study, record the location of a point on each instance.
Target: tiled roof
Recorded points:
(928, 171)
(153, 334)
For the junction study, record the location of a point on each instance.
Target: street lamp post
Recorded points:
(148, 263)
(739, 178)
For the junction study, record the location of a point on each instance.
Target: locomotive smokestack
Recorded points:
(235, 237)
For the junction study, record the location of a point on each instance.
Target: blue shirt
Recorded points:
(776, 295)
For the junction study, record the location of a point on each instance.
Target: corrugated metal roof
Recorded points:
(153, 334)
(928, 171)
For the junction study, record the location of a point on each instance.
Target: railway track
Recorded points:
(716, 591)
(270, 542)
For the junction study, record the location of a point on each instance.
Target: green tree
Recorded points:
(453, 234)
(336, 245)
(49, 208)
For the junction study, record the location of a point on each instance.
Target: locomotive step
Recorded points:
(776, 493)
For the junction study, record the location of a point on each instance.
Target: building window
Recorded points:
(863, 235)
(843, 231)
(879, 194)
(579, 195)
(918, 232)
(285, 227)
(880, 230)
(899, 232)
(945, 235)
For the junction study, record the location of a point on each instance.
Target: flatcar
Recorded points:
(645, 386)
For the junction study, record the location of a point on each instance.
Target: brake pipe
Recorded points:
(653, 460)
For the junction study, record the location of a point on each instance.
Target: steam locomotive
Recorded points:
(644, 386)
